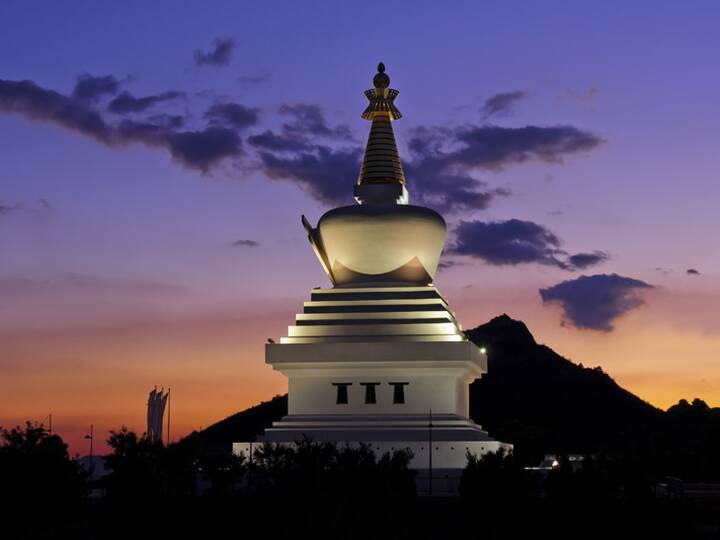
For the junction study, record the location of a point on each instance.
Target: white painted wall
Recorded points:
(440, 391)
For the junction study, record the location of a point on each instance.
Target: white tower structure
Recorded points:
(379, 358)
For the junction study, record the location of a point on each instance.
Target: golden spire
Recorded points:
(381, 163)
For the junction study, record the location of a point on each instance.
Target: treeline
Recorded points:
(319, 488)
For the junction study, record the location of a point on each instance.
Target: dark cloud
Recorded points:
(35, 103)
(127, 103)
(246, 243)
(279, 142)
(325, 173)
(501, 104)
(440, 171)
(508, 242)
(204, 149)
(495, 147)
(444, 159)
(310, 120)
(585, 260)
(594, 302)
(233, 115)
(433, 185)
(199, 149)
(219, 55)
(515, 242)
(91, 89)
(692, 272)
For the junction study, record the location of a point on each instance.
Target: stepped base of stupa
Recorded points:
(388, 367)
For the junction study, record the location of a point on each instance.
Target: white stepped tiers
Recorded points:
(369, 364)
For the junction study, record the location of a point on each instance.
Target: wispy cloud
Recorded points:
(501, 104)
(218, 55)
(246, 243)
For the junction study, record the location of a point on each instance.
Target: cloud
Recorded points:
(199, 149)
(325, 173)
(279, 142)
(431, 184)
(35, 103)
(443, 160)
(127, 103)
(297, 134)
(91, 89)
(7, 209)
(515, 241)
(254, 79)
(692, 272)
(441, 165)
(507, 242)
(170, 121)
(310, 120)
(246, 243)
(495, 147)
(447, 264)
(594, 302)
(582, 96)
(232, 114)
(219, 55)
(204, 149)
(585, 260)
(322, 158)
(501, 104)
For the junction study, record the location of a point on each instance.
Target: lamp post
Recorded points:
(90, 437)
(430, 443)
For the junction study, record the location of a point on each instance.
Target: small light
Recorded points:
(555, 464)
(483, 350)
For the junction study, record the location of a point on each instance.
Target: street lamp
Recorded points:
(90, 437)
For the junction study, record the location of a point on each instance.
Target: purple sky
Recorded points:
(585, 128)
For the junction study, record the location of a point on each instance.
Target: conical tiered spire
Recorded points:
(381, 178)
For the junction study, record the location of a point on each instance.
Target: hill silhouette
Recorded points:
(537, 399)
(544, 403)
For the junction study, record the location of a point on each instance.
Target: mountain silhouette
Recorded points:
(538, 400)
(544, 403)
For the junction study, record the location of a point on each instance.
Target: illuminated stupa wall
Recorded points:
(372, 358)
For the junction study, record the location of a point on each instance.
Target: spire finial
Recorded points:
(381, 80)
(381, 97)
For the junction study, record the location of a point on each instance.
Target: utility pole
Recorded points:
(168, 420)
(50, 425)
(430, 443)
(91, 449)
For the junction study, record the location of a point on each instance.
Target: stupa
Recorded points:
(379, 357)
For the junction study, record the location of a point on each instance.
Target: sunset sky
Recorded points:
(155, 158)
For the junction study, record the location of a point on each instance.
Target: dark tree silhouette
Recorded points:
(38, 479)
